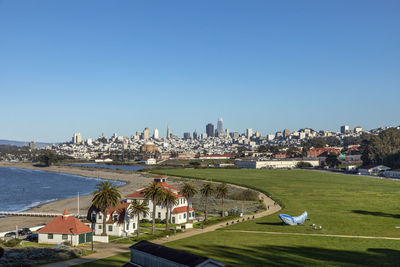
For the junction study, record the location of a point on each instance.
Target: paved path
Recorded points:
(108, 250)
(323, 235)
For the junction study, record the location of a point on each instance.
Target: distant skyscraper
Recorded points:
(220, 128)
(286, 133)
(77, 138)
(168, 132)
(156, 134)
(195, 135)
(249, 133)
(210, 130)
(146, 133)
(33, 145)
(186, 136)
(344, 129)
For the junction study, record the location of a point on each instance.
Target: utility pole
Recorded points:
(78, 205)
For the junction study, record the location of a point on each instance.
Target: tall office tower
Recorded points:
(186, 136)
(168, 132)
(156, 134)
(344, 129)
(210, 130)
(234, 135)
(77, 138)
(220, 128)
(32, 145)
(249, 133)
(226, 132)
(286, 133)
(146, 133)
(195, 135)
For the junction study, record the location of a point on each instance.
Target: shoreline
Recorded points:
(132, 180)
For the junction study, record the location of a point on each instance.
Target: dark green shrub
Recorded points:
(303, 164)
(158, 220)
(12, 243)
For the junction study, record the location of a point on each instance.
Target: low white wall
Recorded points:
(100, 238)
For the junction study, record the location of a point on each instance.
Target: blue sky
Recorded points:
(120, 66)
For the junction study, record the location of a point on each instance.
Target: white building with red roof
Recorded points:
(178, 212)
(65, 228)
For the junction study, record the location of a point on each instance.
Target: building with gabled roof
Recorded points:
(178, 212)
(65, 228)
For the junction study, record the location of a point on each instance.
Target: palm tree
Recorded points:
(206, 191)
(222, 192)
(155, 193)
(188, 191)
(106, 195)
(138, 209)
(169, 201)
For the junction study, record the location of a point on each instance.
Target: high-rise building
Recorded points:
(146, 133)
(156, 134)
(168, 132)
(249, 133)
(226, 132)
(186, 136)
(220, 128)
(210, 130)
(234, 135)
(358, 129)
(77, 138)
(32, 145)
(344, 129)
(286, 133)
(195, 135)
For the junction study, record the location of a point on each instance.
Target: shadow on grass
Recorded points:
(297, 256)
(270, 223)
(377, 213)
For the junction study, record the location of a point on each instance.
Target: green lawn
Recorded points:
(117, 260)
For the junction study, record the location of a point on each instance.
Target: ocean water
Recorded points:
(113, 167)
(22, 189)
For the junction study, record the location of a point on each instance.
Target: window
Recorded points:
(127, 226)
(50, 236)
(99, 226)
(100, 217)
(110, 228)
(184, 216)
(115, 217)
(93, 217)
(64, 237)
(133, 225)
(159, 215)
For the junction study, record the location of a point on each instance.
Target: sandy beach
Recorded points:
(134, 181)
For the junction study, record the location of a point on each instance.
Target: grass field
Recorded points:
(342, 204)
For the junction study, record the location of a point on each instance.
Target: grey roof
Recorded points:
(174, 255)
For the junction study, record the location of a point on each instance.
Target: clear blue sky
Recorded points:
(120, 66)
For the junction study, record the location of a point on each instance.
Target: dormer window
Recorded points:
(115, 217)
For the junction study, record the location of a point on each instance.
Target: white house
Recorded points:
(178, 212)
(274, 164)
(392, 174)
(373, 170)
(118, 221)
(65, 228)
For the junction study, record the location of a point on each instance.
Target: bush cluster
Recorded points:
(12, 242)
(246, 195)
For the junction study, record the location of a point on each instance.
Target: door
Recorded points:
(88, 237)
(81, 238)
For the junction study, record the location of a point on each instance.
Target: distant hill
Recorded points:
(22, 143)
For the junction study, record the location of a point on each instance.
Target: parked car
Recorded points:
(24, 231)
(10, 234)
(32, 237)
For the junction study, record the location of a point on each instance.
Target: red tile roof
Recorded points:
(136, 195)
(65, 224)
(139, 194)
(119, 208)
(181, 210)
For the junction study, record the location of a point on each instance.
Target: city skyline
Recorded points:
(95, 67)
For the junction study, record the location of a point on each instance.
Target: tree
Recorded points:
(155, 193)
(188, 191)
(221, 192)
(293, 152)
(303, 164)
(206, 191)
(332, 160)
(105, 196)
(169, 200)
(48, 158)
(138, 209)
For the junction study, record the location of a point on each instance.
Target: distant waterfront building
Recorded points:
(195, 135)
(156, 134)
(344, 129)
(220, 128)
(186, 136)
(89, 141)
(270, 137)
(203, 135)
(278, 134)
(358, 129)
(210, 130)
(32, 145)
(226, 132)
(234, 135)
(286, 133)
(168, 132)
(249, 132)
(146, 133)
(77, 138)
